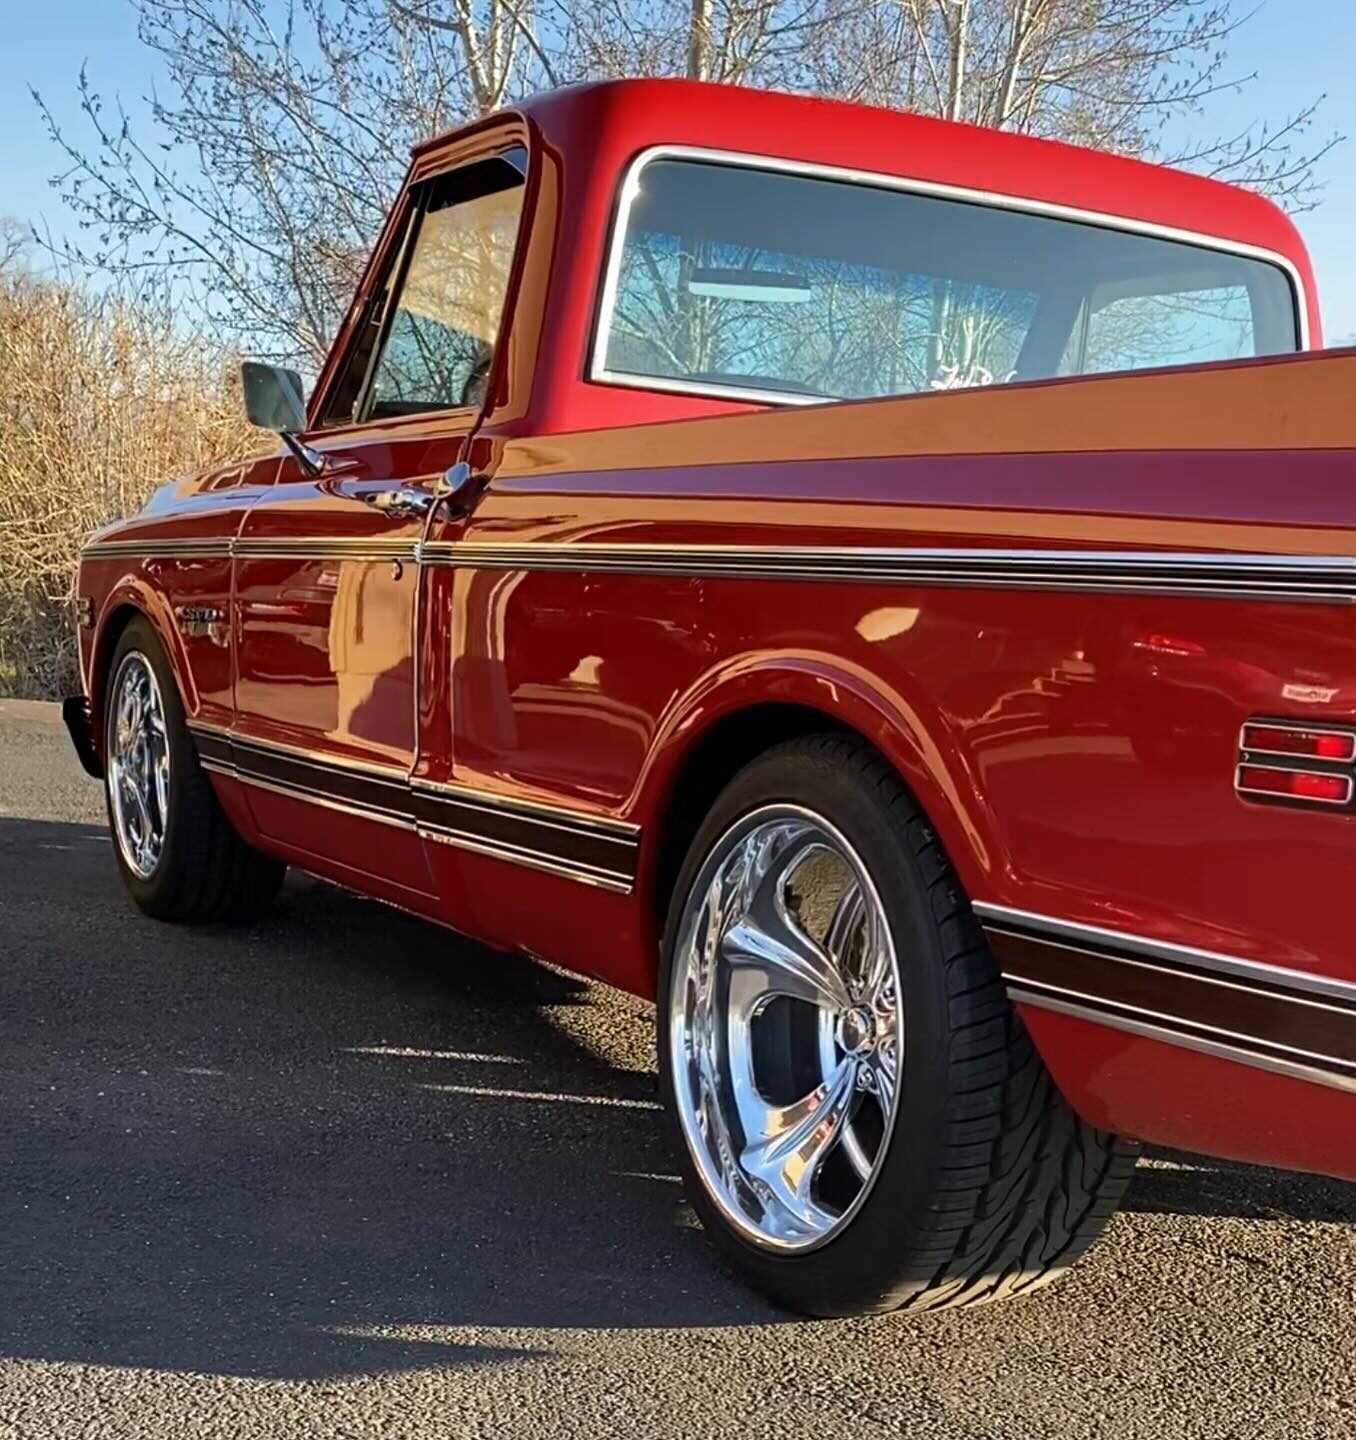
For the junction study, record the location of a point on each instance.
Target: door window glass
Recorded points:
(441, 330)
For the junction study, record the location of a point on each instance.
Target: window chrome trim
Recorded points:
(994, 200)
(396, 276)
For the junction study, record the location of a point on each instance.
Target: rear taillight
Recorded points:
(1295, 740)
(1301, 764)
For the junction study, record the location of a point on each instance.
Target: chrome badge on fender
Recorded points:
(202, 622)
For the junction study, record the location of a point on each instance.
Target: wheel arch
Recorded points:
(128, 601)
(728, 721)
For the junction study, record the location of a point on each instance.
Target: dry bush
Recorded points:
(101, 399)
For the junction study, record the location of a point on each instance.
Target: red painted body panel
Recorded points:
(325, 643)
(1006, 711)
(210, 508)
(1134, 1086)
(1075, 752)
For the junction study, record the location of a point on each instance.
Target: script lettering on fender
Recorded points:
(202, 622)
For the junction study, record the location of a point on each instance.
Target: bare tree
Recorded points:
(1111, 74)
(273, 152)
(282, 129)
(14, 238)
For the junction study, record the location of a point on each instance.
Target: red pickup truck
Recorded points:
(966, 770)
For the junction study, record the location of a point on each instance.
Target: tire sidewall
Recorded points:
(852, 1271)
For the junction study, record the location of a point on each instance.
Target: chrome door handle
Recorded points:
(405, 502)
(457, 486)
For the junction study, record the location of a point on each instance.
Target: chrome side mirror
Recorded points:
(273, 397)
(274, 401)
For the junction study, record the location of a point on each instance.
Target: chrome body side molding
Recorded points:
(1208, 575)
(1267, 1016)
(594, 850)
(1218, 575)
(302, 547)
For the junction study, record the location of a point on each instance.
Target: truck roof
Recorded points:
(608, 123)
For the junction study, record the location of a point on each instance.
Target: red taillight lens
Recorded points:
(1295, 784)
(1288, 740)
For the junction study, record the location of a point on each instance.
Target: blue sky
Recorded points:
(1299, 49)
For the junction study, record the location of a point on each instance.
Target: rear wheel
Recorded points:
(864, 1123)
(180, 857)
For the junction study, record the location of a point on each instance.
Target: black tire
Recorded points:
(205, 871)
(991, 1186)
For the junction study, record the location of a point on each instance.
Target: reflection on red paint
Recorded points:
(1169, 644)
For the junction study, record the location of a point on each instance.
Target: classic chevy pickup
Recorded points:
(967, 771)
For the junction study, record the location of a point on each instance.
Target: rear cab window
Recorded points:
(791, 284)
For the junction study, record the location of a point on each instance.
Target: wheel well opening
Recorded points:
(113, 627)
(721, 753)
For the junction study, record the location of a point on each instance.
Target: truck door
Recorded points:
(327, 580)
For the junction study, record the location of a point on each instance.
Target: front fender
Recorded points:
(131, 593)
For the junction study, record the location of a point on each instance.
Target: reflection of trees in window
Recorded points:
(447, 319)
(1177, 328)
(427, 362)
(855, 330)
(775, 281)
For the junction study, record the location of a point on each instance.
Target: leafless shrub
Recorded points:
(102, 398)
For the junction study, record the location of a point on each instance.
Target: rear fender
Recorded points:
(905, 727)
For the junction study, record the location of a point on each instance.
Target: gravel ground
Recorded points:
(342, 1174)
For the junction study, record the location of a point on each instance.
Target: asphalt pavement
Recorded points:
(341, 1174)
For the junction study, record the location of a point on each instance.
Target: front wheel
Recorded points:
(180, 857)
(863, 1122)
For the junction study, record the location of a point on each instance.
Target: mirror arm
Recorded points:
(312, 462)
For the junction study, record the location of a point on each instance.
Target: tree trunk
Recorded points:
(699, 41)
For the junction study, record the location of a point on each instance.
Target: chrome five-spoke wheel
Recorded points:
(785, 1031)
(138, 765)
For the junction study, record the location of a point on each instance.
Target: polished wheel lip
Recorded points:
(138, 765)
(846, 1074)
